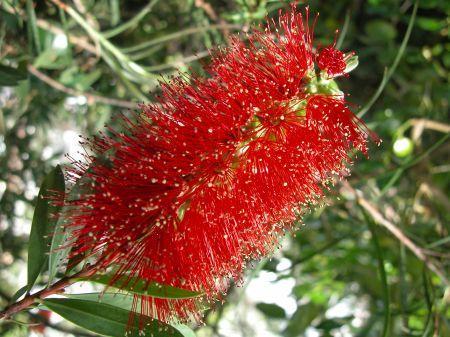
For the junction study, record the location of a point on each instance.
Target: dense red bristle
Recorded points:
(191, 189)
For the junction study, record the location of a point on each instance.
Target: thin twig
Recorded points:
(91, 98)
(81, 42)
(430, 124)
(180, 62)
(47, 323)
(209, 10)
(390, 71)
(381, 220)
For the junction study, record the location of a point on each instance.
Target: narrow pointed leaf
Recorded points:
(18, 294)
(121, 300)
(352, 63)
(11, 76)
(139, 286)
(107, 320)
(44, 218)
(59, 249)
(59, 239)
(271, 310)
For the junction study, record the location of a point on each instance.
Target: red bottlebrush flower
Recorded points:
(195, 187)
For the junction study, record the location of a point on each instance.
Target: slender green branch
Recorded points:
(389, 72)
(132, 22)
(344, 30)
(136, 72)
(179, 34)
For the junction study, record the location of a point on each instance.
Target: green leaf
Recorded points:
(139, 286)
(123, 301)
(33, 29)
(380, 31)
(51, 59)
(330, 324)
(271, 310)
(11, 76)
(44, 218)
(352, 63)
(106, 320)
(302, 319)
(60, 237)
(60, 248)
(184, 330)
(18, 294)
(431, 24)
(388, 73)
(115, 299)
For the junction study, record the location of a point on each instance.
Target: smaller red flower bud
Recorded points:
(332, 61)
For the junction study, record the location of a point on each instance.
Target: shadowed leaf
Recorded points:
(44, 218)
(107, 320)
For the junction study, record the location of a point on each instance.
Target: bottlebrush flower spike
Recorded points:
(214, 175)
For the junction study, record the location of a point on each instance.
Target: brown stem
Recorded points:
(379, 218)
(55, 288)
(90, 97)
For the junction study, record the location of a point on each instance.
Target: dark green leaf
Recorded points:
(11, 76)
(60, 248)
(19, 293)
(330, 324)
(123, 301)
(380, 31)
(139, 286)
(302, 319)
(271, 310)
(60, 237)
(105, 319)
(44, 218)
(33, 29)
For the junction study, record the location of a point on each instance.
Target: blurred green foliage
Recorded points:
(67, 73)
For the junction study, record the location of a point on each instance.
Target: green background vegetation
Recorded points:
(347, 252)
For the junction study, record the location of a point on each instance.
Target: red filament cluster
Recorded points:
(211, 177)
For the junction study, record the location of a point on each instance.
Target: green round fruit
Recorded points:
(403, 147)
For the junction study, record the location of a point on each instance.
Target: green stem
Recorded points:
(179, 34)
(344, 30)
(389, 72)
(132, 22)
(399, 172)
(137, 73)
